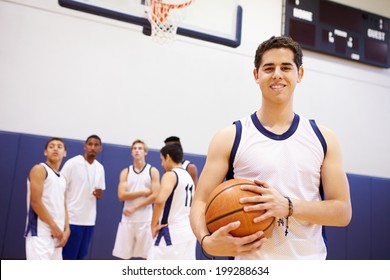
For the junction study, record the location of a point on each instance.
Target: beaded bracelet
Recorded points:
(290, 212)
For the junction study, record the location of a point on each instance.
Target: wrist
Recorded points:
(290, 207)
(202, 245)
(290, 212)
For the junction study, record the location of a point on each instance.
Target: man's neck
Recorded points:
(139, 164)
(90, 160)
(278, 122)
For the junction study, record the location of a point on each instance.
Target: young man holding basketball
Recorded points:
(296, 165)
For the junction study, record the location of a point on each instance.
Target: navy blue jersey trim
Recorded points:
(32, 224)
(164, 232)
(58, 174)
(168, 203)
(322, 194)
(143, 168)
(319, 135)
(237, 138)
(271, 135)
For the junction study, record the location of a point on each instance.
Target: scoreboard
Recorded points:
(338, 30)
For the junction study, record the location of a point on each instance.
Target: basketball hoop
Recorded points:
(164, 17)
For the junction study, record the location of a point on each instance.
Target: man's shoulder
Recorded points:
(74, 160)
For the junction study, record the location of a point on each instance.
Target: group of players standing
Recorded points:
(66, 200)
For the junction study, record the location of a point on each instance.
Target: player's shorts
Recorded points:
(133, 240)
(181, 251)
(42, 248)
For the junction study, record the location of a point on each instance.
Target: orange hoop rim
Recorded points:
(169, 6)
(159, 11)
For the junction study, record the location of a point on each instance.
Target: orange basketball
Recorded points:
(224, 207)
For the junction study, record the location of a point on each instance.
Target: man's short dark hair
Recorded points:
(278, 43)
(174, 150)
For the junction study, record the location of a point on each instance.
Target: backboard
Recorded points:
(214, 21)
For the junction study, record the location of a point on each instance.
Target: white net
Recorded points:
(164, 17)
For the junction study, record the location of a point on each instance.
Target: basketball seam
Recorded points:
(273, 221)
(221, 191)
(224, 215)
(235, 211)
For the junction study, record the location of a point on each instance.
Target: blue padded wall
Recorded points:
(365, 238)
(380, 221)
(358, 231)
(9, 144)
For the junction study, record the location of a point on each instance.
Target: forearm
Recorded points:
(197, 220)
(123, 196)
(147, 201)
(327, 212)
(157, 211)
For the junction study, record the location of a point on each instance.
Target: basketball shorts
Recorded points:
(181, 251)
(42, 248)
(133, 240)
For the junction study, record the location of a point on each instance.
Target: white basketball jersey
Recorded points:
(177, 210)
(53, 198)
(137, 181)
(291, 163)
(185, 164)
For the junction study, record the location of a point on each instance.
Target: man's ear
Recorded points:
(301, 71)
(256, 75)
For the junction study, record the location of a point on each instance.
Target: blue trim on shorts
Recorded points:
(164, 232)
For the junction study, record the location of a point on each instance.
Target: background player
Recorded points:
(47, 226)
(138, 186)
(170, 223)
(85, 178)
(186, 164)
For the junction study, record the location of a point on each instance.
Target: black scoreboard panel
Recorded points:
(338, 30)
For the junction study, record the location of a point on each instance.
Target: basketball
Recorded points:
(224, 207)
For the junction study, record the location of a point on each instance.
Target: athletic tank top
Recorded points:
(177, 210)
(291, 163)
(137, 181)
(53, 198)
(185, 164)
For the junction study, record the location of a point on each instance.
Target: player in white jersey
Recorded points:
(138, 186)
(174, 239)
(186, 164)
(292, 160)
(47, 227)
(85, 178)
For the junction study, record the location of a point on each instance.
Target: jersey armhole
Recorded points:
(319, 135)
(237, 139)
